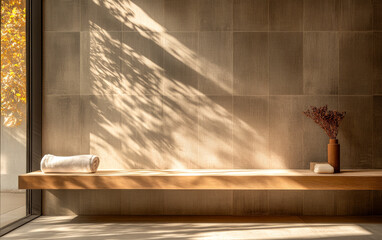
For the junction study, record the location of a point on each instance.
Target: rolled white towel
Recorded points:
(79, 163)
(323, 168)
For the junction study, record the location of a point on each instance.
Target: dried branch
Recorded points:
(327, 119)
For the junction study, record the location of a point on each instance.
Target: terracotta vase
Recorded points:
(334, 154)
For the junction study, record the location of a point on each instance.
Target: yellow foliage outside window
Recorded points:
(13, 65)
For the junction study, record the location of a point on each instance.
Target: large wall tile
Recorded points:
(181, 15)
(142, 141)
(250, 63)
(377, 63)
(356, 63)
(215, 52)
(180, 132)
(100, 123)
(60, 202)
(215, 132)
(188, 202)
(319, 203)
(146, 15)
(315, 140)
(181, 67)
(356, 15)
(250, 203)
(285, 63)
(285, 15)
(142, 202)
(215, 15)
(250, 15)
(355, 134)
(142, 65)
(143, 47)
(101, 63)
(285, 132)
(377, 15)
(61, 15)
(61, 69)
(287, 202)
(377, 132)
(100, 16)
(321, 63)
(377, 199)
(61, 133)
(250, 132)
(100, 202)
(322, 15)
(353, 203)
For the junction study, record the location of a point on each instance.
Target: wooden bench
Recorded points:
(224, 179)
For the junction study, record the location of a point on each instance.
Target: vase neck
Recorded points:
(333, 141)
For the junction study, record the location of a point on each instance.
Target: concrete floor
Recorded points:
(270, 228)
(12, 207)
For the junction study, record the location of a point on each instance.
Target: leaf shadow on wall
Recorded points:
(140, 112)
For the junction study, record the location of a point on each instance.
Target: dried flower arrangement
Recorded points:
(327, 119)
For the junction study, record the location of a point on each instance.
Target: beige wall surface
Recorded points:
(213, 84)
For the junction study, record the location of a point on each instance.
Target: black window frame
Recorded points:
(34, 109)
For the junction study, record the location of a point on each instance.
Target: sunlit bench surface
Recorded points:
(222, 179)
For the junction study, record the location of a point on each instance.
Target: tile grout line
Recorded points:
(269, 101)
(339, 52)
(198, 79)
(81, 57)
(232, 87)
(254, 31)
(162, 85)
(303, 92)
(372, 94)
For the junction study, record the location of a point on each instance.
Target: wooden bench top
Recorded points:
(218, 179)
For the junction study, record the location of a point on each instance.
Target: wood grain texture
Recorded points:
(93, 14)
(248, 144)
(142, 202)
(286, 150)
(377, 62)
(102, 202)
(355, 63)
(321, 15)
(62, 15)
(181, 15)
(250, 203)
(285, 202)
(215, 15)
(285, 63)
(217, 48)
(250, 65)
(185, 202)
(61, 124)
(356, 131)
(250, 15)
(377, 132)
(356, 15)
(61, 69)
(321, 51)
(319, 203)
(285, 15)
(377, 14)
(354, 203)
(206, 179)
(61, 202)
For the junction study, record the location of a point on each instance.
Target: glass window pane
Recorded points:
(13, 109)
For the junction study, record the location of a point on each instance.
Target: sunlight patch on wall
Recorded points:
(136, 125)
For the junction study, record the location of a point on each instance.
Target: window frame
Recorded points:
(34, 41)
